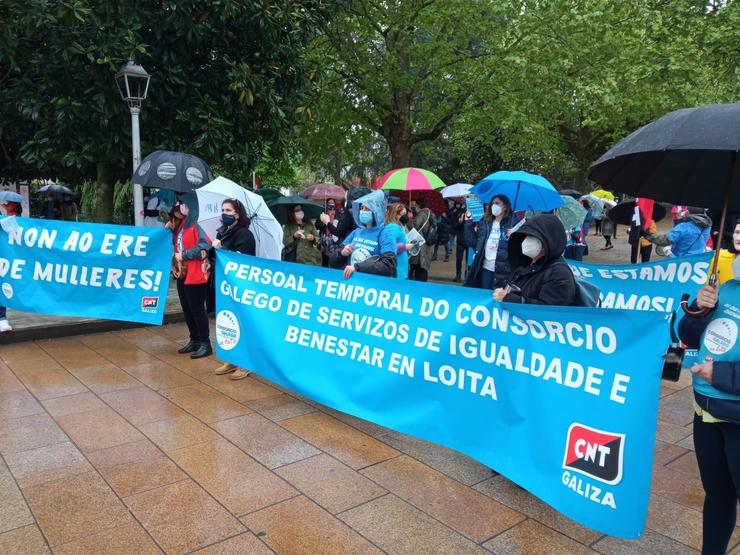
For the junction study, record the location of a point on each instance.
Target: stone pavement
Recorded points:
(114, 443)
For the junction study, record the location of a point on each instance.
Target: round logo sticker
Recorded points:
(145, 167)
(7, 290)
(166, 171)
(227, 330)
(194, 176)
(720, 336)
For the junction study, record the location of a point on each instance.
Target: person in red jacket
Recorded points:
(188, 240)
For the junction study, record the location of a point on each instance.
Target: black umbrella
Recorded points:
(623, 212)
(281, 206)
(686, 157)
(571, 193)
(54, 189)
(176, 171)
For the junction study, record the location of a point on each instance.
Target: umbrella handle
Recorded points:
(690, 312)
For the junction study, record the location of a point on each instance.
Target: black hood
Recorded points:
(548, 229)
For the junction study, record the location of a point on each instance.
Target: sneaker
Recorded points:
(447, 258)
(239, 374)
(225, 368)
(5, 326)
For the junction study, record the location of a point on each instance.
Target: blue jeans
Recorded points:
(447, 250)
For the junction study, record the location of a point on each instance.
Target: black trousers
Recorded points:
(193, 302)
(718, 454)
(417, 273)
(460, 255)
(644, 253)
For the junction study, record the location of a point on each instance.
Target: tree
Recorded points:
(227, 78)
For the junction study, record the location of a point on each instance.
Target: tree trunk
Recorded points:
(103, 211)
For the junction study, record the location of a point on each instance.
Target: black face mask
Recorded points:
(404, 219)
(227, 219)
(414, 211)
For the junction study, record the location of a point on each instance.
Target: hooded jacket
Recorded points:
(688, 237)
(549, 280)
(374, 247)
(478, 239)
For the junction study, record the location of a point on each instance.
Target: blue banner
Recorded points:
(561, 400)
(90, 270)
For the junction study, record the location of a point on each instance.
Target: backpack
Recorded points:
(587, 294)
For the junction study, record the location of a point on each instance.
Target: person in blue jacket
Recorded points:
(688, 237)
(716, 382)
(396, 220)
(371, 247)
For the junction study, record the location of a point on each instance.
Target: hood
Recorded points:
(702, 220)
(376, 202)
(548, 229)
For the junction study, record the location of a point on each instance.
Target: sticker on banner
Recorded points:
(595, 453)
(149, 304)
(7, 290)
(227, 330)
(721, 336)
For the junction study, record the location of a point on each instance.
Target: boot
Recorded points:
(189, 348)
(458, 278)
(203, 350)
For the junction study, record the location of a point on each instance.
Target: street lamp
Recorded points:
(133, 84)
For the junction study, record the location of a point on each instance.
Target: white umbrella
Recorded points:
(268, 233)
(456, 190)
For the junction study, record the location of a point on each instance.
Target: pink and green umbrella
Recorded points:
(411, 179)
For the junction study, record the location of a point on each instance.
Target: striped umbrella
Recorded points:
(411, 179)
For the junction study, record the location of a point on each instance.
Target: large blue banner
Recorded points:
(79, 269)
(561, 400)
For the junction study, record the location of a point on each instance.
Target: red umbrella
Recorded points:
(323, 191)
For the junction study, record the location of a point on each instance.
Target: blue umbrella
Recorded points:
(10, 196)
(526, 191)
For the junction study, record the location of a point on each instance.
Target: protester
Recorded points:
(396, 219)
(540, 274)
(575, 245)
(425, 223)
(371, 247)
(490, 268)
(233, 235)
(157, 208)
(588, 220)
(676, 211)
(188, 240)
(9, 208)
(646, 247)
(301, 238)
(329, 242)
(689, 236)
(607, 230)
(457, 229)
(443, 236)
(716, 383)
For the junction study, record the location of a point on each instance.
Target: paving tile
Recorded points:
(399, 528)
(98, 429)
(27, 540)
(17, 404)
(182, 517)
(176, 433)
(48, 382)
(239, 482)
(671, 433)
(366, 427)
(72, 404)
(343, 442)
(29, 432)
(141, 405)
(532, 538)
(75, 356)
(129, 538)
(14, 512)
(8, 381)
(444, 498)
(666, 452)
(103, 378)
(280, 407)
(103, 340)
(124, 356)
(675, 521)
(298, 526)
(686, 464)
(197, 368)
(204, 403)
(677, 408)
(135, 467)
(650, 542)
(507, 492)
(243, 544)
(247, 389)
(331, 484)
(681, 488)
(687, 443)
(264, 440)
(46, 464)
(19, 352)
(146, 340)
(159, 375)
(452, 463)
(75, 507)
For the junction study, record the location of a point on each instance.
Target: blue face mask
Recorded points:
(227, 219)
(366, 217)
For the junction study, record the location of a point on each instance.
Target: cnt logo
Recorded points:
(149, 304)
(595, 453)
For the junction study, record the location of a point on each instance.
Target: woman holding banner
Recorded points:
(716, 381)
(490, 268)
(188, 240)
(233, 235)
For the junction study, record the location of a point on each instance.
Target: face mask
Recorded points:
(404, 219)
(184, 210)
(414, 211)
(331, 208)
(366, 217)
(495, 209)
(736, 268)
(531, 246)
(299, 215)
(227, 219)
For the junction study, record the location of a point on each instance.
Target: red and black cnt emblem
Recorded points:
(149, 302)
(595, 453)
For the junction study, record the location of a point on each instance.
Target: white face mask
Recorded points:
(531, 246)
(736, 268)
(495, 210)
(299, 215)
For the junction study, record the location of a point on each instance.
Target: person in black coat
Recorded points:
(234, 235)
(540, 274)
